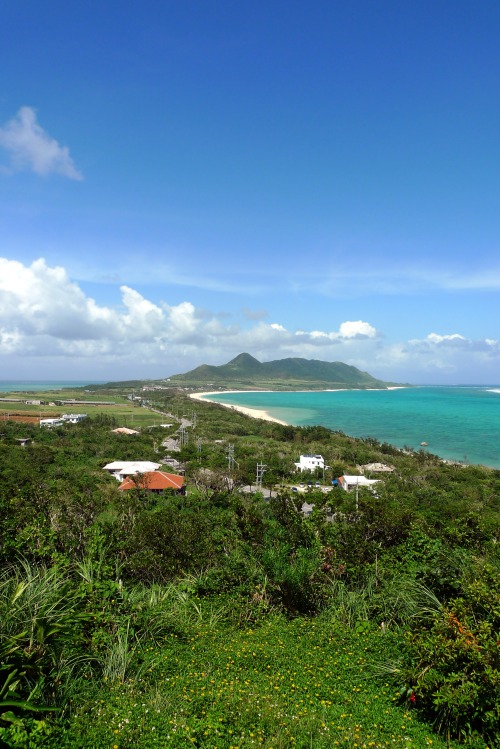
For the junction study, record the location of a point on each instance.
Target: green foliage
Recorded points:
(179, 535)
(244, 371)
(127, 598)
(40, 629)
(454, 663)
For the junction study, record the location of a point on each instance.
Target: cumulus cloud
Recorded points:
(446, 339)
(358, 329)
(449, 356)
(455, 342)
(31, 148)
(43, 310)
(44, 314)
(347, 330)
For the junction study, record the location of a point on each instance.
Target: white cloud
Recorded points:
(358, 329)
(454, 355)
(347, 330)
(44, 314)
(435, 342)
(454, 337)
(43, 310)
(31, 148)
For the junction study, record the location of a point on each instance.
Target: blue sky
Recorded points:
(183, 181)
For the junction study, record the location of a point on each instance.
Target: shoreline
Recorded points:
(254, 413)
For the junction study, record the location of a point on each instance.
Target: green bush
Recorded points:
(454, 663)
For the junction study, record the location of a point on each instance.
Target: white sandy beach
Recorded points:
(253, 412)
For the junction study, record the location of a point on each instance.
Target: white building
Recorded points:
(352, 482)
(51, 422)
(310, 463)
(120, 469)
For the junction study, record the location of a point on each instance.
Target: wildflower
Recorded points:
(413, 698)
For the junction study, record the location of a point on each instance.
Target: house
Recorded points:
(121, 469)
(353, 482)
(154, 481)
(51, 422)
(64, 419)
(310, 463)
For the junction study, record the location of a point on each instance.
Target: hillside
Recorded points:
(299, 616)
(244, 371)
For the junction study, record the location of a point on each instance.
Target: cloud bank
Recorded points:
(44, 314)
(31, 148)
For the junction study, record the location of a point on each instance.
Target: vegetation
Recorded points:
(227, 618)
(244, 372)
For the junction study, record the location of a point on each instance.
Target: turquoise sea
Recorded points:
(458, 423)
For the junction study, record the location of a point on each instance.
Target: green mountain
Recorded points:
(245, 371)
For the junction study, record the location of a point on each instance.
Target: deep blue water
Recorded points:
(458, 423)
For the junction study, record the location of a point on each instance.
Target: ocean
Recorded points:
(33, 386)
(458, 423)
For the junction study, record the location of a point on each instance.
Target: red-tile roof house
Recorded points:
(154, 481)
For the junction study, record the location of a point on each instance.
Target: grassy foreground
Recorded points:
(300, 683)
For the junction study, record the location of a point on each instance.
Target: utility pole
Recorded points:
(183, 436)
(198, 448)
(260, 472)
(230, 458)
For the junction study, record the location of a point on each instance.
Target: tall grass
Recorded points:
(395, 601)
(155, 612)
(39, 626)
(173, 607)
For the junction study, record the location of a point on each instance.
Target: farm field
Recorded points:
(25, 409)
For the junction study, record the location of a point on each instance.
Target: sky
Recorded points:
(183, 180)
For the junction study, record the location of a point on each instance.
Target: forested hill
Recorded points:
(245, 371)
